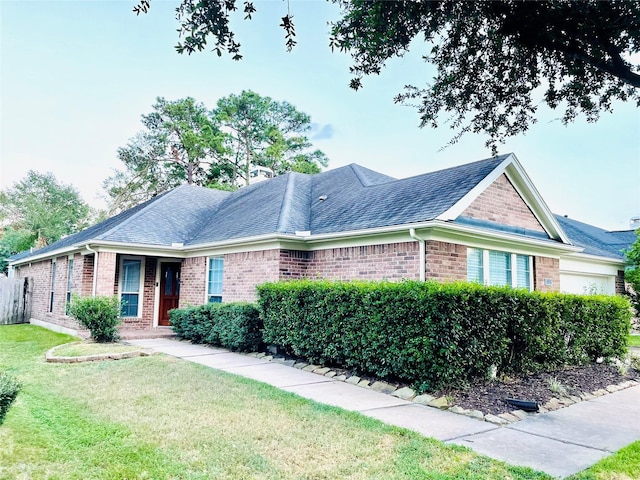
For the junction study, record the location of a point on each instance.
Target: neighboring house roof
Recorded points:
(346, 199)
(597, 241)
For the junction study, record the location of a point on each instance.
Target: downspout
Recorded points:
(423, 255)
(95, 269)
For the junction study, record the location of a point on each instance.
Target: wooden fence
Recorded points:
(15, 300)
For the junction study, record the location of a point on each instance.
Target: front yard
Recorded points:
(162, 418)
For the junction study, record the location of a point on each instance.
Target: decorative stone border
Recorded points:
(52, 358)
(406, 393)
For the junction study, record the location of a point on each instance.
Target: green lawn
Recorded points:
(622, 465)
(159, 417)
(634, 341)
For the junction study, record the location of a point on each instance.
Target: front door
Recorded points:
(169, 290)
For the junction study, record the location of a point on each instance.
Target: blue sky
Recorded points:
(76, 76)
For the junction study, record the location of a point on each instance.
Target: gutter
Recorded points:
(423, 253)
(95, 269)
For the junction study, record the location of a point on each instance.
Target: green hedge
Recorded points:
(100, 315)
(433, 335)
(9, 388)
(236, 326)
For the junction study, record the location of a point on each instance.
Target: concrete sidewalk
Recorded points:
(559, 443)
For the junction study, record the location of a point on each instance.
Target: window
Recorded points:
(498, 268)
(53, 284)
(130, 283)
(69, 282)
(214, 283)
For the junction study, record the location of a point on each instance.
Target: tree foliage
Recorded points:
(39, 210)
(184, 142)
(495, 61)
(632, 273)
(262, 131)
(179, 144)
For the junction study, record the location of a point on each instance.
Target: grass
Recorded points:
(634, 341)
(622, 465)
(82, 349)
(159, 417)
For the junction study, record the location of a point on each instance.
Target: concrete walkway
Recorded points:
(559, 443)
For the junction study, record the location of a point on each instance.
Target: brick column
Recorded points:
(105, 284)
(546, 274)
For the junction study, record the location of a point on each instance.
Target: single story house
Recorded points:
(483, 221)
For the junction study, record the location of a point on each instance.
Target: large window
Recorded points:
(214, 282)
(130, 283)
(491, 267)
(69, 282)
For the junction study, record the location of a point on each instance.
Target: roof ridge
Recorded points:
(287, 200)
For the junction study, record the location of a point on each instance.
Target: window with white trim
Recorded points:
(69, 283)
(131, 281)
(492, 267)
(214, 280)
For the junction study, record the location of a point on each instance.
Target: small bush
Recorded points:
(236, 326)
(9, 388)
(100, 315)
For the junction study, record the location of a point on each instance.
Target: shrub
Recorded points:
(236, 326)
(9, 388)
(434, 335)
(100, 315)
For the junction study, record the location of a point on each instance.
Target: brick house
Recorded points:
(482, 221)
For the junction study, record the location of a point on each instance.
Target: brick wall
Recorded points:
(243, 271)
(546, 268)
(193, 281)
(294, 264)
(395, 261)
(41, 274)
(445, 261)
(107, 266)
(86, 273)
(501, 203)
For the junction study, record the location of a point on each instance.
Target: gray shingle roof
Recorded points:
(340, 200)
(597, 241)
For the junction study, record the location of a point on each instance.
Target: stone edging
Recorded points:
(52, 358)
(406, 393)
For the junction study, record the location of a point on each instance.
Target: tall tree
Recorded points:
(632, 274)
(179, 144)
(493, 58)
(263, 132)
(39, 210)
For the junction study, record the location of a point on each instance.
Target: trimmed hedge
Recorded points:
(9, 388)
(434, 335)
(236, 326)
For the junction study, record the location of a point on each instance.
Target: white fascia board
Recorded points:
(461, 205)
(529, 193)
(503, 241)
(518, 177)
(44, 256)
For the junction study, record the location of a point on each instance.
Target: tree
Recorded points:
(184, 142)
(632, 273)
(39, 210)
(261, 131)
(179, 144)
(493, 59)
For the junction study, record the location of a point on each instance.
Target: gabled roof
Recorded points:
(597, 241)
(346, 199)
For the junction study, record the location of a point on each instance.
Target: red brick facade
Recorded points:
(501, 203)
(245, 270)
(445, 261)
(546, 274)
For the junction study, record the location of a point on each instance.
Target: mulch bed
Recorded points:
(490, 398)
